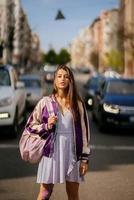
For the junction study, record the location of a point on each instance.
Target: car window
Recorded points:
(32, 83)
(93, 82)
(4, 78)
(121, 87)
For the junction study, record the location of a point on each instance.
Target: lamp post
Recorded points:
(59, 15)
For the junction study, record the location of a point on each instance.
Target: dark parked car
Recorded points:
(49, 76)
(35, 88)
(114, 103)
(49, 73)
(91, 87)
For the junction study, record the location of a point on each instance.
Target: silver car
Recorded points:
(12, 99)
(35, 88)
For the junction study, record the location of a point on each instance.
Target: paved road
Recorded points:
(110, 175)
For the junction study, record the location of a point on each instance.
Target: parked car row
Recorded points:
(49, 73)
(35, 88)
(12, 99)
(111, 101)
(16, 95)
(90, 87)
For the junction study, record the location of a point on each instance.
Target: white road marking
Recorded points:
(9, 146)
(94, 147)
(105, 147)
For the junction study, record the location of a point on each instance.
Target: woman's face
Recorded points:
(61, 79)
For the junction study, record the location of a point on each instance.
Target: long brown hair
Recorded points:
(72, 94)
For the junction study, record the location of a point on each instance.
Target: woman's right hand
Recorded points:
(52, 121)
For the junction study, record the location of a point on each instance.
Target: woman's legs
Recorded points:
(72, 189)
(45, 191)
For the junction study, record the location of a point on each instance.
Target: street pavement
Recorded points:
(115, 184)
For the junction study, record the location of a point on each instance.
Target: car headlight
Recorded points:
(6, 101)
(90, 101)
(111, 108)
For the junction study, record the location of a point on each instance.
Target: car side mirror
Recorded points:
(20, 85)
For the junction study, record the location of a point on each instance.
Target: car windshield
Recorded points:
(93, 82)
(121, 87)
(4, 78)
(31, 83)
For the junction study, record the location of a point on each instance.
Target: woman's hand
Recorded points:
(83, 168)
(51, 121)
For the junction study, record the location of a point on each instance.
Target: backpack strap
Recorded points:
(49, 106)
(51, 113)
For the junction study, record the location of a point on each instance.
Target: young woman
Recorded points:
(66, 131)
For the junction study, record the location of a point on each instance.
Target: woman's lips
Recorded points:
(62, 83)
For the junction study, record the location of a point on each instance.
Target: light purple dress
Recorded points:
(62, 166)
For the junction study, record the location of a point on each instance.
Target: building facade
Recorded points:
(109, 35)
(15, 35)
(127, 33)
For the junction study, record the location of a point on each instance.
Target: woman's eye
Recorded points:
(60, 76)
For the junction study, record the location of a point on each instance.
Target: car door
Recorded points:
(98, 98)
(20, 94)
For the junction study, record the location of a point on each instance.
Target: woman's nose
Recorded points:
(62, 78)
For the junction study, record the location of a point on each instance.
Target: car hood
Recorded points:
(122, 100)
(35, 91)
(5, 91)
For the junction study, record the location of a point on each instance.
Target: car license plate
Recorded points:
(131, 119)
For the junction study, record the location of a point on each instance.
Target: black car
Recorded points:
(114, 103)
(49, 73)
(90, 88)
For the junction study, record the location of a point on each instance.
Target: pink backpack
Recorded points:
(31, 145)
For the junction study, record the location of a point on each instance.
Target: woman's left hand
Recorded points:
(83, 168)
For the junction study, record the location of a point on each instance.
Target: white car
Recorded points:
(35, 88)
(12, 99)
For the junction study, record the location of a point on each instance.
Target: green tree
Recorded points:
(114, 59)
(63, 57)
(51, 57)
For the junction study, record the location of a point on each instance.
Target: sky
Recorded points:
(59, 34)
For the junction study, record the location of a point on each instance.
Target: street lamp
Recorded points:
(59, 15)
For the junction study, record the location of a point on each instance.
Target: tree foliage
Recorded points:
(53, 58)
(63, 57)
(114, 59)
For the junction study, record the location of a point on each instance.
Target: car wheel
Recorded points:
(14, 127)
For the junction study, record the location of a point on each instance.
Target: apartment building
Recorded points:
(127, 35)
(15, 34)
